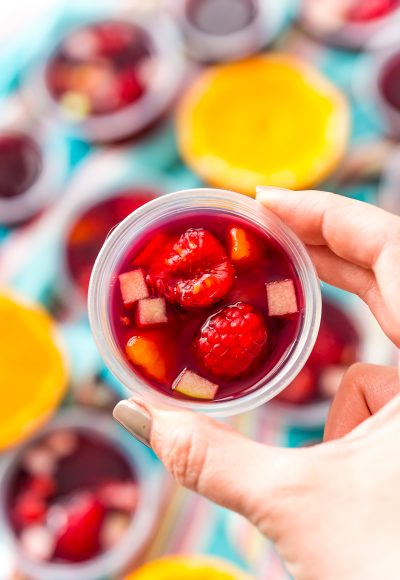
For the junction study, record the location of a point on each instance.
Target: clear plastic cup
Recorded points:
(151, 496)
(53, 154)
(259, 29)
(184, 203)
(167, 75)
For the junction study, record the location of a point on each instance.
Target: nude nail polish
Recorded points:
(134, 419)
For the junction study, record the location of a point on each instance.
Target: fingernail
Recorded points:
(265, 190)
(135, 419)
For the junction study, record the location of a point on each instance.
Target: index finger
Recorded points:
(355, 231)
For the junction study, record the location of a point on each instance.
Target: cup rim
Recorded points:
(142, 522)
(218, 201)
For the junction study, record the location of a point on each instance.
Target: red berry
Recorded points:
(301, 390)
(78, 539)
(43, 486)
(231, 340)
(30, 508)
(193, 271)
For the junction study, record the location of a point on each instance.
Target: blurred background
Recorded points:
(103, 106)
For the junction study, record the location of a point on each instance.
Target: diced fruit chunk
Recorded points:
(244, 249)
(114, 527)
(30, 508)
(152, 250)
(133, 286)
(281, 298)
(62, 443)
(39, 460)
(145, 352)
(119, 495)
(192, 385)
(151, 312)
(37, 542)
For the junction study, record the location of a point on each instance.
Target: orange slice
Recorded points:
(33, 374)
(184, 567)
(269, 120)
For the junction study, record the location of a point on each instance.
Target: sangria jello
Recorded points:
(90, 227)
(76, 501)
(204, 298)
(338, 345)
(109, 78)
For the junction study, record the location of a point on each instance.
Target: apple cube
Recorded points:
(192, 385)
(151, 312)
(133, 286)
(281, 298)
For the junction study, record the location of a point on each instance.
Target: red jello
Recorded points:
(71, 497)
(337, 346)
(20, 164)
(89, 230)
(100, 68)
(206, 306)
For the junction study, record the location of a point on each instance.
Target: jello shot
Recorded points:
(33, 166)
(109, 79)
(78, 501)
(204, 299)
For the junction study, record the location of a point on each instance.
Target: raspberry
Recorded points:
(231, 340)
(194, 271)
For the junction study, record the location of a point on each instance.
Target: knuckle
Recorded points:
(187, 455)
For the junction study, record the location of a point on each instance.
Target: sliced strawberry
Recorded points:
(30, 508)
(244, 248)
(192, 385)
(151, 312)
(147, 354)
(193, 272)
(301, 390)
(78, 539)
(281, 297)
(119, 495)
(152, 250)
(133, 287)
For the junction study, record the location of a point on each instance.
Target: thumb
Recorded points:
(217, 462)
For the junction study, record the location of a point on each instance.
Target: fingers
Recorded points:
(354, 230)
(357, 232)
(364, 390)
(358, 280)
(215, 461)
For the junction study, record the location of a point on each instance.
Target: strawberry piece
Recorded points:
(78, 539)
(192, 385)
(154, 247)
(30, 508)
(146, 353)
(301, 390)
(119, 495)
(281, 298)
(244, 248)
(366, 10)
(133, 287)
(193, 272)
(151, 312)
(231, 340)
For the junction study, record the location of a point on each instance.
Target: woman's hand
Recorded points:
(332, 509)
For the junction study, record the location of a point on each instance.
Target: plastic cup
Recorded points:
(214, 202)
(128, 549)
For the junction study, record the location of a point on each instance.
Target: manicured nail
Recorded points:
(263, 190)
(135, 419)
